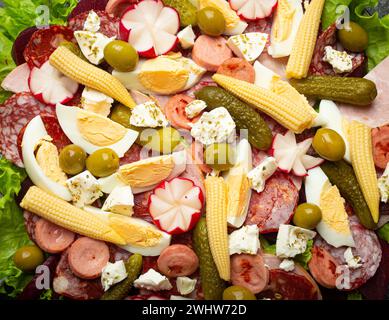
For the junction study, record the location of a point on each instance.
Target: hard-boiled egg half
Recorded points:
(34, 133)
(92, 131)
(284, 29)
(146, 174)
(163, 75)
(334, 226)
(141, 237)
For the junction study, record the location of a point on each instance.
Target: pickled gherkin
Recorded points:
(213, 286)
(186, 10)
(245, 117)
(120, 290)
(342, 175)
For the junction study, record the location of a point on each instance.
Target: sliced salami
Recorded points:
(132, 154)
(274, 205)
(65, 283)
(44, 42)
(109, 25)
(15, 113)
(141, 207)
(55, 131)
(30, 221)
(87, 5)
(20, 44)
(367, 247)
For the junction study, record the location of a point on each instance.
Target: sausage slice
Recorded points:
(237, 68)
(178, 260)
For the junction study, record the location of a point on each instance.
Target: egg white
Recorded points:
(35, 131)
(67, 117)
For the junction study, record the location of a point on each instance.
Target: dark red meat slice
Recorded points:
(20, 44)
(132, 155)
(109, 25)
(116, 253)
(76, 100)
(275, 205)
(30, 220)
(44, 42)
(118, 7)
(86, 6)
(141, 207)
(15, 113)
(65, 283)
(55, 131)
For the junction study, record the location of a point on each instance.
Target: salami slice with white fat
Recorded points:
(30, 220)
(274, 205)
(367, 247)
(109, 25)
(15, 113)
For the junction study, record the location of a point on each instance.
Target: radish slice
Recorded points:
(50, 86)
(291, 156)
(253, 9)
(17, 80)
(175, 205)
(150, 28)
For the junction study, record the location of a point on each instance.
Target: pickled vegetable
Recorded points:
(120, 290)
(355, 91)
(342, 175)
(186, 10)
(121, 114)
(102, 162)
(329, 144)
(354, 38)
(219, 156)
(72, 159)
(211, 21)
(245, 117)
(121, 56)
(27, 258)
(213, 286)
(307, 216)
(238, 293)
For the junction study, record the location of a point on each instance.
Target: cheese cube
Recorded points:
(95, 101)
(92, 45)
(186, 37)
(194, 108)
(292, 240)
(244, 240)
(383, 185)
(153, 280)
(148, 115)
(248, 46)
(120, 200)
(113, 273)
(258, 176)
(341, 61)
(185, 285)
(353, 262)
(92, 22)
(287, 265)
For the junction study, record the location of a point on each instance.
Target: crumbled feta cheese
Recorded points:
(194, 108)
(244, 240)
(292, 240)
(383, 185)
(84, 188)
(113, 273)
(153, 280)
(258, 176)
(120, 200)
(149, 115)
(95, 101)
(340, 60)
(92, 45)
(92, 22)
(248, 46)
(216, 126)
(185, 285)
(186, 37)
(352, 261)
(287, 265)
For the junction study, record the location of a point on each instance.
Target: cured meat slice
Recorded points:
(65, 283)
(141, 206)
(30, 220)
(87, 5)
(44, 42)
(118, 7)
(380, 140)
(55, 131)
(237, 68)
(367, 247)
(15, 113)
(132, 154)
(109, 25)
(20, 44)
(175, 112)
(274, 205)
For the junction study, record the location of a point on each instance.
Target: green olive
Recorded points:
(219, 156)
(238, 293)
(354, 38)
(211, 21)
(102, 162)
(163, 140)
(121, 56)
(307, 216)
(27, 258)
(329, 144)
(121, 114)
(72, 159)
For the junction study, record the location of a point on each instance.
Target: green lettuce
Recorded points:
(354, 295)
(12, 231)
(15, 16)
(377, 28)
(383, 232)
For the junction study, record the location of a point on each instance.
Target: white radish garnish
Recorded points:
(253, 9)
(150, 28)
(291, 156)
(50, 86)
(175, 205)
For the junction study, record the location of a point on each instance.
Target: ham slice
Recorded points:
(376, 114)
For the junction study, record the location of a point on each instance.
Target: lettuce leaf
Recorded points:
(354, 295)
(383, 232)
(377, 28)
(306, 256)
(266, 246)
(13, 234)
(15, 16)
